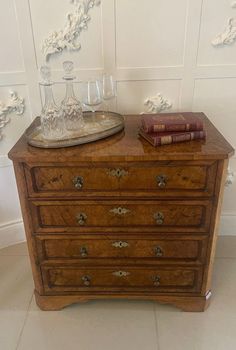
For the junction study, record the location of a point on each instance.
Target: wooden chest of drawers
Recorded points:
(121, 219)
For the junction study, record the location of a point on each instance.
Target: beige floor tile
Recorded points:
(16, 290)
(16, 285)
(224, 281)
(212, 330)
(15, 250)
(100, 325)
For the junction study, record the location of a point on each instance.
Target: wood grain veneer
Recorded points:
(120, 219)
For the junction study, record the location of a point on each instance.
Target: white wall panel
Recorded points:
(50, 16)
(131, 95)
(217, 97)
(150, 33)
(11, 54)
(215, 15)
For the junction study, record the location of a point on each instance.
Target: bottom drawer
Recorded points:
(160, 279)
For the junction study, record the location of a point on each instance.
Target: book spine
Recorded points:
(167, 140)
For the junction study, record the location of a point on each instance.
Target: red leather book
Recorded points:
(171, 122)
(167, 138)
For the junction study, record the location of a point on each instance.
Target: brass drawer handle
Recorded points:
(120, 244)
(78, 182)
(162, 180)
(120, 211)
(156, 281)
(119, 173)
(81, 219)
(158, 252)
(86, 280)
(121, 273)
(159, 217)
(83, 252)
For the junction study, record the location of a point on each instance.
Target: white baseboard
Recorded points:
(12, 233)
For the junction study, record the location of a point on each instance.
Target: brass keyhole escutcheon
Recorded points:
(120, 211)
(121, 273)
(118, 173)
(120, 244)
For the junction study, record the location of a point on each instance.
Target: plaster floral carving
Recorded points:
(230, 178)
(233, 4)
(228, 36)
(76, 22)
(157, 104)
(14, 105)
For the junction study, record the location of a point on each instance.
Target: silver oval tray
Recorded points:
(97, 126)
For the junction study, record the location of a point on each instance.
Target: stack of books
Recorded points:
(165, 129)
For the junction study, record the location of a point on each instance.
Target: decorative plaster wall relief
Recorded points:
(230, 178)
(228, 36)
(157, 104)
(15, 104)
(76, 22)
(233, 4)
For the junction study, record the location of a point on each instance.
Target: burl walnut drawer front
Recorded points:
(192, 178)
(166, 250)
(159, 215)
(74, 279)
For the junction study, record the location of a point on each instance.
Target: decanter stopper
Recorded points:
(71, 107)
(68, 67)
(52, 122)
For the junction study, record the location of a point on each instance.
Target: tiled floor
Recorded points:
(111, 325)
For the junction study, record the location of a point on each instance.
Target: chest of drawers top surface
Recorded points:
(128, 146)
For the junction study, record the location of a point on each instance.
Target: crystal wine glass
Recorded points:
(108, 93)
(92, 98)
(108, 87)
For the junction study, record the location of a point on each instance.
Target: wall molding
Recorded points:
(67, 38)
(11, 233)
(14, 105)
(157, 104)
(233, 4)
(230, 178)
(228, 36)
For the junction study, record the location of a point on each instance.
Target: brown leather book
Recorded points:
(167, 138)
(171, 122)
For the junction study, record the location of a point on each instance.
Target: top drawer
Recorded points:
(151, 179)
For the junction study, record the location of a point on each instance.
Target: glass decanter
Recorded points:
(71, 107)
(52, 123)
